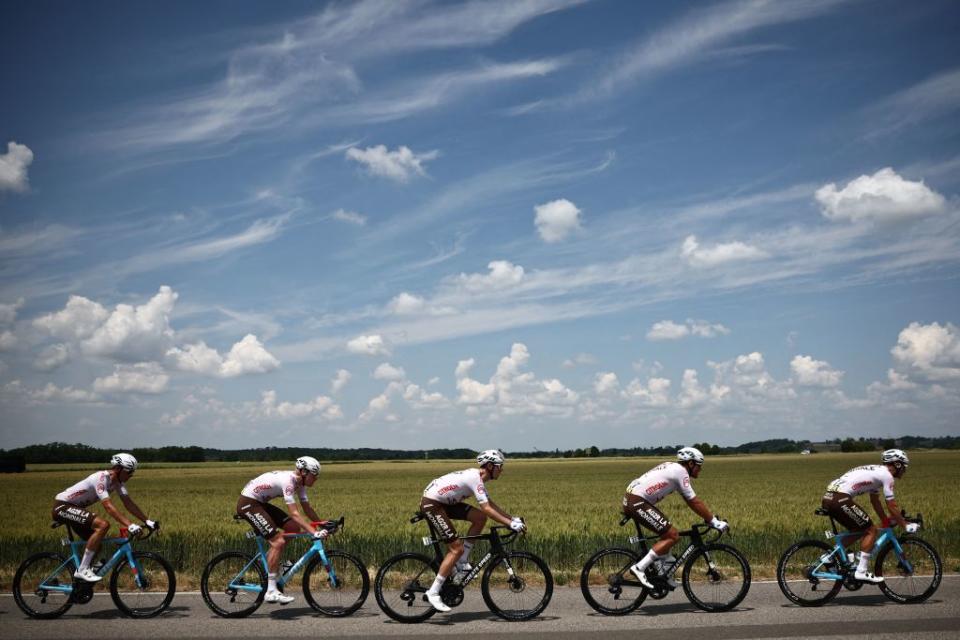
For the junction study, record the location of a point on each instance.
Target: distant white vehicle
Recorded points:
(805, 452)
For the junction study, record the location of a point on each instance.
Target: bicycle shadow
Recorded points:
(116, 614)
(473, 616)
(286, 613)
(669, 609)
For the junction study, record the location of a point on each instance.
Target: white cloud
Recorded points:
(321, 406)
(606, 383)
(503, 275)
(144, 377)
(406, 304)
(691, 393)
(372, 345)
(245, 357)
(581, 359)
(670, 330)
(8, 312)
(931, 350)
(51, 393)
(386, 371)
(718, 254)
(556, 220)
(8, 341)
(13, 167)
(52, 357)
(351, 217)
(135, 333)
(78, 320)
(654, 393)
(814, 373)
(399, 165)
(884, 196)
(935, 97)
(340, 381)
(417, 398)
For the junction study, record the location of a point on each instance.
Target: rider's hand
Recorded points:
(133, 529)
(152, 525)
(912, 527)
(320, 534)
(516, 524)
(719, 525)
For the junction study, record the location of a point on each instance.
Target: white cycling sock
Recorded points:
(864, 561)
(271, 582)
(437, 584)
(647, 560)
(465, 556)
(87, 557)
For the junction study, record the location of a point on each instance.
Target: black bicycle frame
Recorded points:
(496, 546)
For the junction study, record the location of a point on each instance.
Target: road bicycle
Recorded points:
(516, 585)
(142, 583)
(811, 572)
(335, 583)
(715, 577)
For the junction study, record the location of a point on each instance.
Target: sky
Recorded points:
(518, 224)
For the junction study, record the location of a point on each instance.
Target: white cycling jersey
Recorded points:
(661, 481)
(271, 484)
(869, 478)
(95, 487)
(457, 486)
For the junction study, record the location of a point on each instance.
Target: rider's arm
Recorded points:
(308, 510)
(132, 507)
(298, 517)
(114, 512)
(894, 511)
(878, 505)
(494, 512)
(700, 508)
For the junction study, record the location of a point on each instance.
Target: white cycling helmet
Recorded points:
(124, 460)
(308, 464)
(893, 456)
(494, 456)
(689, 453)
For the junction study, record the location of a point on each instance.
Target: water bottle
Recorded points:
(97, 565)
(287, 565)
(666, 565)
(851, 558)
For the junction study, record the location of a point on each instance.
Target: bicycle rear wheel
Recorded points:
(225, 580)
(517, 586)
(146, 591)
(607, 584)
(716, 577)
(795, 573)
(337, 589)
(401, 586)
(910, 577)
(32, 581)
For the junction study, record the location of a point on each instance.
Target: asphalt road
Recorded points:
(764, 614)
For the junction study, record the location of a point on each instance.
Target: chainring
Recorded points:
(451, 594)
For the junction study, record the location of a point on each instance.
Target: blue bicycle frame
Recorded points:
(887, 536)
(124, 550)
(316, 549)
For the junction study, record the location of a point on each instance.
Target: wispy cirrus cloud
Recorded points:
(935, 97)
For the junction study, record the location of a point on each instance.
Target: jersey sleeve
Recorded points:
(888, 488)
(290, 490)
(684, 486)
(303, 494)
(122, 489)
(479, 491)
(102, 486)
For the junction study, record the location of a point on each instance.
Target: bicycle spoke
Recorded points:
(801, 573)
(37, 585)
(518, 586)
(716, 578)
(912, 576)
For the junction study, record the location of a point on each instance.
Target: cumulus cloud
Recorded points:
(135, 333)
(814, 373)
(670, 330)
(691, 393)
(417, 398)
(386, 371)
(373, 345)
(605, 383)
(581, 359)
(50, 394)
(745, 380)
(245, 357)
(884, 196)
(929, 350)
(655, 392)
(556, 220)
(399, 165)
(144, 377)
(406, 304)
(8, 312)
(8, 341)
(718, 254)
(340, 381)
(351, 217)
(13, 167)
(321, 406)
(503, 275)
(78, 319)
(52, 357)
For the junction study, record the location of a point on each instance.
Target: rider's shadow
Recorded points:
(286, 613)
(473, 616)
(678, 607)
(114, 614)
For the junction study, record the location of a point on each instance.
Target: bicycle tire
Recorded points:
(923, 558)
(725, 573)
(343, 598)
(529, 585)
(410, 574)
(23, 594)
(793, 574)
(151, 595)
(221, 574)
(601, 582)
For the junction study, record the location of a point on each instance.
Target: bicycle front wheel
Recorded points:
(910, 577)
(145, 590)
(798, 569)
(233, 584)
(401, 586)
(517, 586)
(607, 584)
(716, 577)
(37, 584)
(338, 588)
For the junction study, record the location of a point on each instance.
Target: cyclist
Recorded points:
(271, 522)
(652, 487)
(442, 503)
(871, 478)
(69, 507)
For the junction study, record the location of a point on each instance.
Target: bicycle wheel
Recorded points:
(795, 573)
(401, 586)
(224, 580)
(32, 581)
(146, 591)
(716, 577)
(912, 576)
(517, 586)
(607, 584)
(339, 588)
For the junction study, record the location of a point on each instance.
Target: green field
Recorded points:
(571, 506)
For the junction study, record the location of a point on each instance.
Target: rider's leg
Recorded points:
(454, 550)
(659, 549)
(277, 543)
(478, 520)
(866, 548)
(100, 528)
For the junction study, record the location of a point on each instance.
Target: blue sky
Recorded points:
(516, 224)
